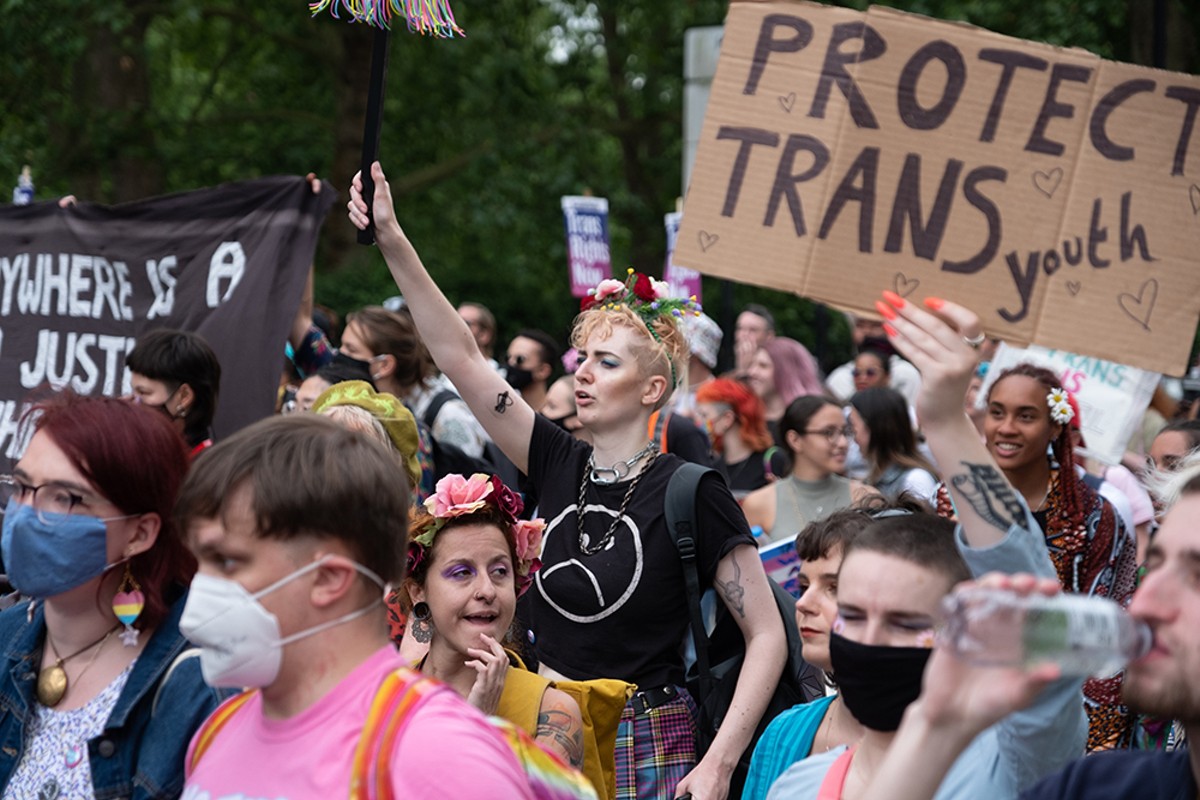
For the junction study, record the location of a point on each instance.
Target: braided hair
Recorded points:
(1073, 493)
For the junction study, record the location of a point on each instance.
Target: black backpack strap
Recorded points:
(680, 508)
(435, 406)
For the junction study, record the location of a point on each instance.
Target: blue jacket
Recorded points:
(140, 754)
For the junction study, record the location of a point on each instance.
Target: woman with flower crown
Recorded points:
(610, 600)
(1026, 430)
(469, 558)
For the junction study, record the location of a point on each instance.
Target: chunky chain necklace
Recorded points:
(585, 545)
(607, 476)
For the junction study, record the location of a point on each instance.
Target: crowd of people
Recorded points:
(445, 568)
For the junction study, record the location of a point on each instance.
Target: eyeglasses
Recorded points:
(833, 434)
(867, 372)
(52, 501)
(1170, 463)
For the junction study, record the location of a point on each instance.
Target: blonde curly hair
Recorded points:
(661, 350)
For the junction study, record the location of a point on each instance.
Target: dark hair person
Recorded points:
(1027, 433)
(609, 601)
(469, 559)
(885, 435)
(88, 535)
(818, 437)
(178, 373)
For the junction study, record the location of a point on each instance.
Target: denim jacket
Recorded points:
(141, 752)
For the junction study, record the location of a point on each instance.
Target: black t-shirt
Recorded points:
(1120, 775)
(751, 472)
(621, 613)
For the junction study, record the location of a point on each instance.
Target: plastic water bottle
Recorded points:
(759, 535)
(1083, 635)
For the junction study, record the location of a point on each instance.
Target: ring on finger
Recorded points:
(975, 341)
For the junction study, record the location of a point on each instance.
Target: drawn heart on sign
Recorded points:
(1047, 182)
(788, 101)
(707, 240)
(904, 286)
(1194, 195)
(1073, 288)
(1139, 307)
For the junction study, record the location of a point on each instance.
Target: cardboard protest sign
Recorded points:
(684, 282)
(1112, 397)
(78, 285)
(1054, 193)
(589, 261)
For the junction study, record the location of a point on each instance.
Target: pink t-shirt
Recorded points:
(446, 749)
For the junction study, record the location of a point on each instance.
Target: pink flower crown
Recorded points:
(456, 496)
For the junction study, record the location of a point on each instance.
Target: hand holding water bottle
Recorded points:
(970, 696)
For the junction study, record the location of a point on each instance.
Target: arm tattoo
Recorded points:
(557, 727)
(992, 498)
(503, 401)
(733, 591)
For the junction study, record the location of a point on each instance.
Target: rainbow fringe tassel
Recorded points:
(426, 17)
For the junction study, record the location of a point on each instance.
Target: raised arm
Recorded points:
(497, 406)
(938, 340)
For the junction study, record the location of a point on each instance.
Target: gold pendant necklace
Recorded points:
(52, 682)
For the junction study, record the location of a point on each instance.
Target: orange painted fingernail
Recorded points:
(885, 311)
(889, 330)
(935, 303)
(894, 299)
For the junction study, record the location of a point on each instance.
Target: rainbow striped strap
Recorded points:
(549, 778)
(401, 692)
(215, 722)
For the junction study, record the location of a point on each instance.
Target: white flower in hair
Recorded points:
(1060, 407)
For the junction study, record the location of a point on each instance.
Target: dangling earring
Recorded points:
(127, 604)
(422, 628)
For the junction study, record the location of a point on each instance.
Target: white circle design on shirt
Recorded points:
(626, 532)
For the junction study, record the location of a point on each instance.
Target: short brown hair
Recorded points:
(923, 538)
(307, 475)
(818, 539)
(388, 333)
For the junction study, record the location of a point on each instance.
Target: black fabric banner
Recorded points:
(78, 285)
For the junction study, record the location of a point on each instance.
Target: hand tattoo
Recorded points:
(990, 495)
(503, 401)
(733, 591)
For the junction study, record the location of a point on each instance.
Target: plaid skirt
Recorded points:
(656, 750)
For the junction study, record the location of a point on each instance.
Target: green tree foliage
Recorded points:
(129, 98)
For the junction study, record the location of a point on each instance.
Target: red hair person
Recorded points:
(1027, 432)
(88, 535)
(735, 420)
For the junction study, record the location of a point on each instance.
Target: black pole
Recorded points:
(1160, 34)
(372, 127)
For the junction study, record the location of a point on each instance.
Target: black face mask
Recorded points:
(562, 421)
(877, 683)
(347, 368)
(518, 377)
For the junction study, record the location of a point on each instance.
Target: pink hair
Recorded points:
(796, 371)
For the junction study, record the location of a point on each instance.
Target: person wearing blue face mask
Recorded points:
(97, 695)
